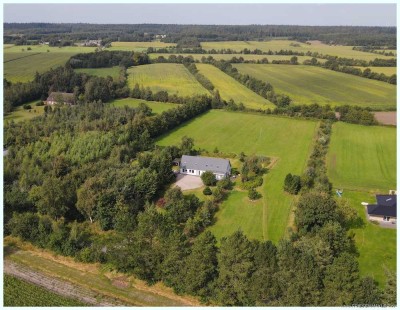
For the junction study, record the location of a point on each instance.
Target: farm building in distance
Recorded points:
(385, 209)
(60, 98)
(197, 165)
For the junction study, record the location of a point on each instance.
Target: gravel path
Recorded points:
(58, 286)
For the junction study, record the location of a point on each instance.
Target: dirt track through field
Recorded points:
(58, 286)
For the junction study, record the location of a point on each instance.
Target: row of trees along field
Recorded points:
(190, 34)
(77, 170)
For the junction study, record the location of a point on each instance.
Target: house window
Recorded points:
(386, 218)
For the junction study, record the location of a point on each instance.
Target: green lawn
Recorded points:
(229, 88)
(287, 139)
(20, 114)
(21, 64)
(308, 84)
(277, 45)
(173, 78)
(376, 245)
(239, 212)
(101, 72)
(19, 293)
(362, 157)
(157, 107)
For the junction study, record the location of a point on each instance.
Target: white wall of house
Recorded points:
(198, 173)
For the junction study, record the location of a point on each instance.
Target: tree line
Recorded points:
(344, 35)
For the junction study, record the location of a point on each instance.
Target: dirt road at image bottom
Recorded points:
(58, 286)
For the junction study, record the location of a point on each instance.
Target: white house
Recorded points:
(58, 98)
(197, 165)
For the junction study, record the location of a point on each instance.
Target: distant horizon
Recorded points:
(84, 23)
(206, 14)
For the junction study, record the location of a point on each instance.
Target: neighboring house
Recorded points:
(197, 165)
(385, 209)
(60, 98)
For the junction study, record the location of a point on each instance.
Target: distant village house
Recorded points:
(60, 98)
(197, 165)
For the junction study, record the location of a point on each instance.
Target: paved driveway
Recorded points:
(186, 182)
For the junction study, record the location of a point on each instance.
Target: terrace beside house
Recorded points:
(197, 165)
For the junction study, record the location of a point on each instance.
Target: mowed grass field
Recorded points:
(277, 45)
(287, 139)
(229, 88)
(19, 293)
(173, 78)
(101, 72)
(157, 107)
(376, 245)
(138, 46)
(308, 84)
(362, 157)
(21, 64)
(230, 56)
(385, 70)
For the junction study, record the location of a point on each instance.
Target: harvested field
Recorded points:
(386, 118)
(138, 46)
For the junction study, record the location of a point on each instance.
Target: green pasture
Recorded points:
(24, 69)
(173, 78)
(376, 245)
(21, 64)
(309, 84)
(138, 46)
(277, 45)
(229, 88)
(385, 70)
(230, 56)
(362, 157)
(287, 139)
(101, 72)
(20, 114)
(157, 107)
(19, 293)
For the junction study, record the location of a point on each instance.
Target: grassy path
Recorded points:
(116, 287)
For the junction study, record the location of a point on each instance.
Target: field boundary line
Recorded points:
(30, 55)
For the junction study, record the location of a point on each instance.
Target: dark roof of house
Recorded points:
(386, 200)
(382, 210)
(386, 206)
(216, 165)
(66, 97)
